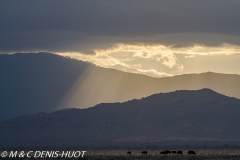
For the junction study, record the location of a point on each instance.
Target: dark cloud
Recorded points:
(84, 25)
(55, 41)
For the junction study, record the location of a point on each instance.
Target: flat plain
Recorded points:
(208, 154)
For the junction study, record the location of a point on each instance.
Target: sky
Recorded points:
(157, 38)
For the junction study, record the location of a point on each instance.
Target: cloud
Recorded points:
(84, 26)
(136, 69)
(160, 53)
(135, 58)
(116, 18)
(156, 60)
(140, 36)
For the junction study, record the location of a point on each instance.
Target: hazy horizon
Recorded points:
(127, 71)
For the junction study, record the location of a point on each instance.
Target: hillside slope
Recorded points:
(180, 117)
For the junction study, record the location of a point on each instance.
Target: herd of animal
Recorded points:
(166, 152)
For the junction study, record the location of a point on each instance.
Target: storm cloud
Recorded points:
(84, 26)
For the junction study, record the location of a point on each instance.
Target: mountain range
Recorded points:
(45, 82)
(175, 118)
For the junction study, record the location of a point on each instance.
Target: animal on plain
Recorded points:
(179, 152)
(173, 152)
(165, 152)
(129, 152)
(191, 152)
(144, 152)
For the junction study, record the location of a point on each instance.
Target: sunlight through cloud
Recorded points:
(157, 58)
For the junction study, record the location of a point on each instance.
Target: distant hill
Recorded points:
(180, 117)
(44, 82)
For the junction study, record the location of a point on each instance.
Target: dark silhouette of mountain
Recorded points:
(180, 117)
(44, 82)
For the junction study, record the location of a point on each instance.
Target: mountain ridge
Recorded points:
(44, 82)
(176, 118)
